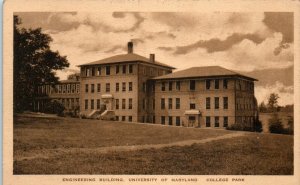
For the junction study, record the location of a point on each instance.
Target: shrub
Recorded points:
(54, 107)
(275, 125)
(290, 129)
(257, 125)
(237, 126)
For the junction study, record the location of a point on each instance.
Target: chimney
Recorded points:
(152, 58)
(130, 47)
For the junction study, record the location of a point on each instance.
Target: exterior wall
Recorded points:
(197, 97)
(111, 79)
(140, 94)
(245, 103)
(145, 92)
(66, 93)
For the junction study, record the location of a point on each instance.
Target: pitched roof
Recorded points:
(126, 58)
(208, 71)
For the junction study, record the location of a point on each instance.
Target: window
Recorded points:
(177, 121)
(87, 72)
(207, 84)
(130, 86)
(162, 103)
(86, 104)
(217, 121)
(170, 103)
(225, 83)
(117, 87)
(107, 70)
(117, 103)
(163, 86)
(153, 104)
(123, 103)
(73, 88)
(170, 86)
(99, 71)
(192, 85)
(163, 120)
(225, 122)
(130, 68)
(117, 118)
(77, 88)
(192, 106)
(170, 120)
(216, 84)
(130, 118)
(117, 69)
(144, 87)
(86, 88)
(153, 87)
(153, 119)
(92, 88)
(123, 86)
(178, 85)
(124, 69)
(98, 87)
(177, 103)
(225, 102)
(123, 118)
(144, 104)
(92, 104)
(98, 104)
(130, 103)
(68, 88)
(207, 103)
(107, 87)
(216, 102)
(207, 121)
(93, 71)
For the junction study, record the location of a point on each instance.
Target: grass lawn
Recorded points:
(259, 154)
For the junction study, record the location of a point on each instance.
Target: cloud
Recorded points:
(107, 22)
(282, 22)
(286, 93)
(215, 45)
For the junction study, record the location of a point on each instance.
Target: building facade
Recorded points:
(205, 97)
(66, 92)
(140, 89)
(120, 84)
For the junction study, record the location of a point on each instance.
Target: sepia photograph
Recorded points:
(177, 94)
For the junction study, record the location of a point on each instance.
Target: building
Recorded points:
(205, 97)
(140, 89)
(66, 92)
(121, 84)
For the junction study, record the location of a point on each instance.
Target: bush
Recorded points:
(237, 126)
(54, 107)
(257, 125)
(275, 125)
(290, 129)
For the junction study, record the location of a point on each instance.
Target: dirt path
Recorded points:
(61, 151)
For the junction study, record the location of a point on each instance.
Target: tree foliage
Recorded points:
(273, 101)
(34, 64)
(54, 107)
(275, 125)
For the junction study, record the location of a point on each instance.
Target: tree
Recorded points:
(275, 125)
(55, 107)
(262, 107)
(273, 102)
(34, 64)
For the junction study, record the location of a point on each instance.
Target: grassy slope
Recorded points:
(260, 154)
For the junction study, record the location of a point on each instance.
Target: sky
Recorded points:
(258, 44)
